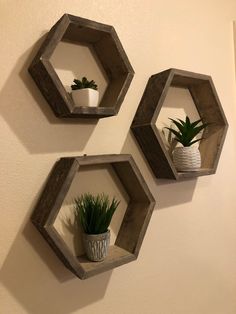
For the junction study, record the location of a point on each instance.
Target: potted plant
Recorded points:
(84, 92)
(94, 214)
(187, 157)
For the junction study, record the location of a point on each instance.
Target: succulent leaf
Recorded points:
(186, 131)
(182, 122)
(195, 123)
(176, 133)
(84, 83)
(179, 125)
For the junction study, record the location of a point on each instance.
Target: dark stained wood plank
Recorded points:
(102, 159)
(54, 192)
(153, 95)
(133, 227)
(154, 151)
(194, 174)
(116, 257)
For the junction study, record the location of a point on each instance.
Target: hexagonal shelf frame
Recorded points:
(110, 53)
(208, 105)
(133, 226)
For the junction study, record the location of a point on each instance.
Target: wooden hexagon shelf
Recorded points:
(109, 51)
(133, 226)
(208, 105)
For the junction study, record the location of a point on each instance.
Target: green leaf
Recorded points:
(187, 130)
(188, 123)
(199, 129)
(181, 121)
(195, 123)
(94, 213)
(195, 141)
(176, 133)
(179, 125)
(84, 83)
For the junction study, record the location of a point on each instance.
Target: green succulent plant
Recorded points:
(187, 130)
(94, 213)
(84, 83)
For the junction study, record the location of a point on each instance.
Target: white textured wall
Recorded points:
(187, 263)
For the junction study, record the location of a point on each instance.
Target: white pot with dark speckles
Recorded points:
(96, 246)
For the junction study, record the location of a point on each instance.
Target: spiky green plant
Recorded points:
(94, 213)
(84, 83)
(187, 130)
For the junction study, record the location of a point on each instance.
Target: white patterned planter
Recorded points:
(187, 158)
(85, 97)
(96, 245)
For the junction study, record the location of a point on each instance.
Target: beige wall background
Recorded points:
(187, 263)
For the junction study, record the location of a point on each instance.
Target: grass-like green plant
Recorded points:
(84, 83)
(187, 130)
(94, 213)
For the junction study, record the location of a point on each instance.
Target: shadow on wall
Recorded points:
(27, 274)
(234, 39)
(24, 109)
(166, 192)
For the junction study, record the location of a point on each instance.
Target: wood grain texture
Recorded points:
(108, 49)
(115, 258)
(133, 226)
(208, 105)
(153, 95)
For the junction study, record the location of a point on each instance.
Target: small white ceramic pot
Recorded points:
(187, 158)
(85, 97)
(96, 246)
